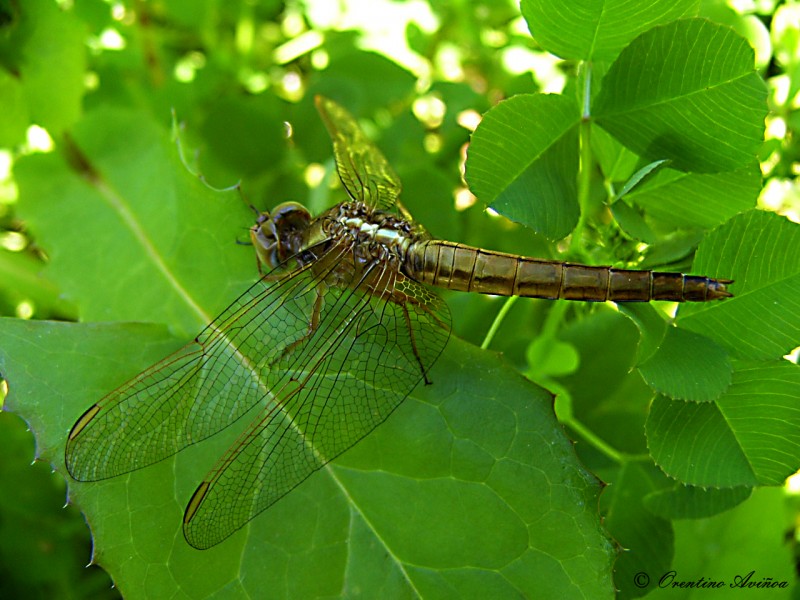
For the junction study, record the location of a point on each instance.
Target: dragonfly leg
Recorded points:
(272, 275)
(432, 315)
(313, 324)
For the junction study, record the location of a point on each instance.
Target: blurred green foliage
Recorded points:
(90, 90)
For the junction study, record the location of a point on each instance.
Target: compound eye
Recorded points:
(290, 216)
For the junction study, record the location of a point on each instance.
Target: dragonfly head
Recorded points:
(279, 235)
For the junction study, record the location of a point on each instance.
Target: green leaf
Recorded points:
(677, 248)
(159, 226)
(688, 92)
(698, 200)
(689, 502)
(549, 357)
(651, 324)
(436, 500)
(594, 31)
(632, 222)
(746, 437)
(616, 162)
(759, 251)
(688, 366)
(636, 179)
(468, 483)
(523, 160)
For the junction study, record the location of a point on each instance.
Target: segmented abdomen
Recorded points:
(464, 268)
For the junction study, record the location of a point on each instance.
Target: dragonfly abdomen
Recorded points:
(464, 268)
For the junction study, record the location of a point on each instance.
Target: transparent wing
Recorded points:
(203, 387)
(360, 363)
(364, 171)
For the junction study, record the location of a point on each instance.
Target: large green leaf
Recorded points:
(597, 30)
(523, 160)
(434, 500)
(467, 484)
(131, 234)
(688, 92)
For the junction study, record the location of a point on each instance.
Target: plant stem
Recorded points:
(594, 440)
(554, 318)
(585, 170)
(498, 320)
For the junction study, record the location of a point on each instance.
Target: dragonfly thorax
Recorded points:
(374, 234)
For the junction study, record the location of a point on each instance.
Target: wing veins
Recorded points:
(184, 365)
(311, 364)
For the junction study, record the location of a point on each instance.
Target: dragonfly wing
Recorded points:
(357, 367)
(364, 171)
(202, 388)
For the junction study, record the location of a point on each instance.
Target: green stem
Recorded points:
(594, 440)
(554, 318)
(585, 171)
(598, 443)
(498, 320)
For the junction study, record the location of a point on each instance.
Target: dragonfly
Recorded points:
(340, 329)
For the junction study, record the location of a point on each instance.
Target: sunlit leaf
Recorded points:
(523, 160)
(692, 200)
(158, 225)
(594, 31)
(679, 89)
(759, 251)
